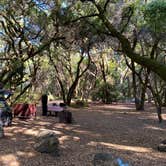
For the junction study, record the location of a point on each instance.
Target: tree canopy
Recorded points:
(38, 36)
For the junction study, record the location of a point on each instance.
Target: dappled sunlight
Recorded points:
(26, 131)
(65, 126)
(76, 138)
(112, 109)
(9, 160)
(118, 131)
(154, 116)
(68, 142)
(86, 133)
(121, 147)
(35, 132)
(54, 131)
(30, 132)
(43, 123)
(13, 139)
(155, 128)
(13, 127)
(61, 126)
(20, 130)
(69, 127)
(9, 134)
(25, 154)
(119, 107)
(64, 138)
(114, 106)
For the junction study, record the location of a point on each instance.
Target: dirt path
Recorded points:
(118, 129)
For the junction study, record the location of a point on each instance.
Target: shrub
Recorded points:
(79, 103)
(106, 93)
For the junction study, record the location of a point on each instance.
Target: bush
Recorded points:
(79, 103)
(106, 93)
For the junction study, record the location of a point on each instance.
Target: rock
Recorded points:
(47, 142)
(107, 159)
(162, 146)
(1, 131)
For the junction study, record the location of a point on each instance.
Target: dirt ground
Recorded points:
(118, 129)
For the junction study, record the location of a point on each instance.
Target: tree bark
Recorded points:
(159, 114)
(158, 103)
(71, 92)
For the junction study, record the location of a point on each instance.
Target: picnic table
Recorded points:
(54, 109)
(61, 111)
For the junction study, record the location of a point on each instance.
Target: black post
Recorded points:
(44, 104)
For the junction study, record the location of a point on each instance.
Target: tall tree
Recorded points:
(125, 43)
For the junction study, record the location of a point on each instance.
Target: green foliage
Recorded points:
(155, 15)
(28, 97)
(79, 103)
(105, 92)
(27, 28)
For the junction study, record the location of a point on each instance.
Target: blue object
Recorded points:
(120, 162)
(4, 94)
(5, 110)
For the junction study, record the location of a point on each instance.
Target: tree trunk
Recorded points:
(149, 95)
(158, 104)
(143, 92)
(140, 105)
(134, 83)
(142, 101)
(71, 91)
(159, 114)
(164, 103)
(63, 93)
(129, 88)
(44, 100)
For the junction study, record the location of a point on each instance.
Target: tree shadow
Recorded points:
(127, 133)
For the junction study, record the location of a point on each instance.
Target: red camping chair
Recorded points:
(24, 110)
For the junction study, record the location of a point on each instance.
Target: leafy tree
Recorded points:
(155, 15)
(151, 64)
(69, 71)
(105, 92)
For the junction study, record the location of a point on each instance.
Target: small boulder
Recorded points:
(47, 142)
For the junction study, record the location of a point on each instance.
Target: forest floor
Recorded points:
(118, 129)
